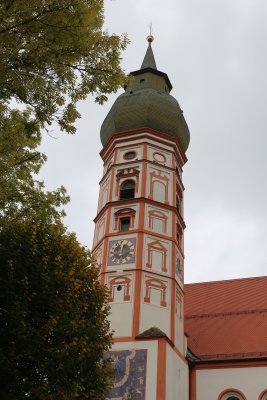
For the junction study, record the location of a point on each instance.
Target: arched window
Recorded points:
(127, 190)
(232, 394)
(233, 398)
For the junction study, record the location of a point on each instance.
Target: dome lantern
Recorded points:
(147, 103)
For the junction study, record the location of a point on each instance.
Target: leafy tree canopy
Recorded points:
(54, 53)
(53, 311)
(21, 195)
(53, 329)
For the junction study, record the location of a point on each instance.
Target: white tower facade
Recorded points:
(139, 237)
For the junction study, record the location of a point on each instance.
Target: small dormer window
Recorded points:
(142, 80)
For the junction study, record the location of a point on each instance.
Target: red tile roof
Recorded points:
(227, 319)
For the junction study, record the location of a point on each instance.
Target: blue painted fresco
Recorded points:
(130, 375)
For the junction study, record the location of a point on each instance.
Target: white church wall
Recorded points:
(158, 220)
(121, 318)
(121, 300)
(177, 377)
(179, 324)
(159, 185)
(251, 381)
(155, 309)
(159, 156)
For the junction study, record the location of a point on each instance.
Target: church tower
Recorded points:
(139, 236)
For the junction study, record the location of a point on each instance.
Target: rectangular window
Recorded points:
(124, 224)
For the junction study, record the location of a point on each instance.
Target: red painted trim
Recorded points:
(145, 151)
(104, 261)
(111, 185)
(193, 385)
(145, 131)
(158, 204)
(161, 370)
(138, 284)
(232, 390)
(144, 180)
(148, 232)
(137, 302)
(141, 221)
(139, 162)
(172, 316)
(123, 339)
(115, 156)
(164, 277)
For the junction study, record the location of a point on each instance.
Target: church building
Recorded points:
(203, 341)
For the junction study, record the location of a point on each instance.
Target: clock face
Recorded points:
(178, 265)
(121, 251)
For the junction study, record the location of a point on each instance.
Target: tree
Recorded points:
(53, 326)
(53, 54)
(21, 195)
(53, 312)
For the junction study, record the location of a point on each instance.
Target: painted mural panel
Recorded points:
(130, 375)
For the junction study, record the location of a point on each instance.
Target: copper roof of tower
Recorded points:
(147, 103)
(149, 60)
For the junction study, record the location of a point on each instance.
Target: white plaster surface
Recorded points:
(177, 387)
(179, 330)
(250, 381)
(157, 224)
(152, 314)
(121, 152)
(121, 318)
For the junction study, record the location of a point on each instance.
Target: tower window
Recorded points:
(142, 80)
(125, 224)
(127, 190)
(129, 155)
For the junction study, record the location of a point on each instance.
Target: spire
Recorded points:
(149, 60)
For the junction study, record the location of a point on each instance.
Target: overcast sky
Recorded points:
(215, 54)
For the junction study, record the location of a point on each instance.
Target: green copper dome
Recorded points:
(147, 103)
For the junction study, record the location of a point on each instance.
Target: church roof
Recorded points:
(227, 319)
(149, 60)
(147, 103)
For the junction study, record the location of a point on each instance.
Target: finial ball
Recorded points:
(150, 38)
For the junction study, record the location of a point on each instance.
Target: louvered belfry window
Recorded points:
(127, 190)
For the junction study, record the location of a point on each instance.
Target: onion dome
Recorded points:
(147, 103)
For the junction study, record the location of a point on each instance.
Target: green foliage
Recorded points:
(20, 194)
(53, 313)
(54, 53)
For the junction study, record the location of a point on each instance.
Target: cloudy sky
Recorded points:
(215, 54)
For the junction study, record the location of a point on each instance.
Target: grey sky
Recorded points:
(215, 54)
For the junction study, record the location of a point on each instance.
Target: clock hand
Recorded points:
(122, 245)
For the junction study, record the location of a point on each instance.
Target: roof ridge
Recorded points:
(219, 314)
(227, 280)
